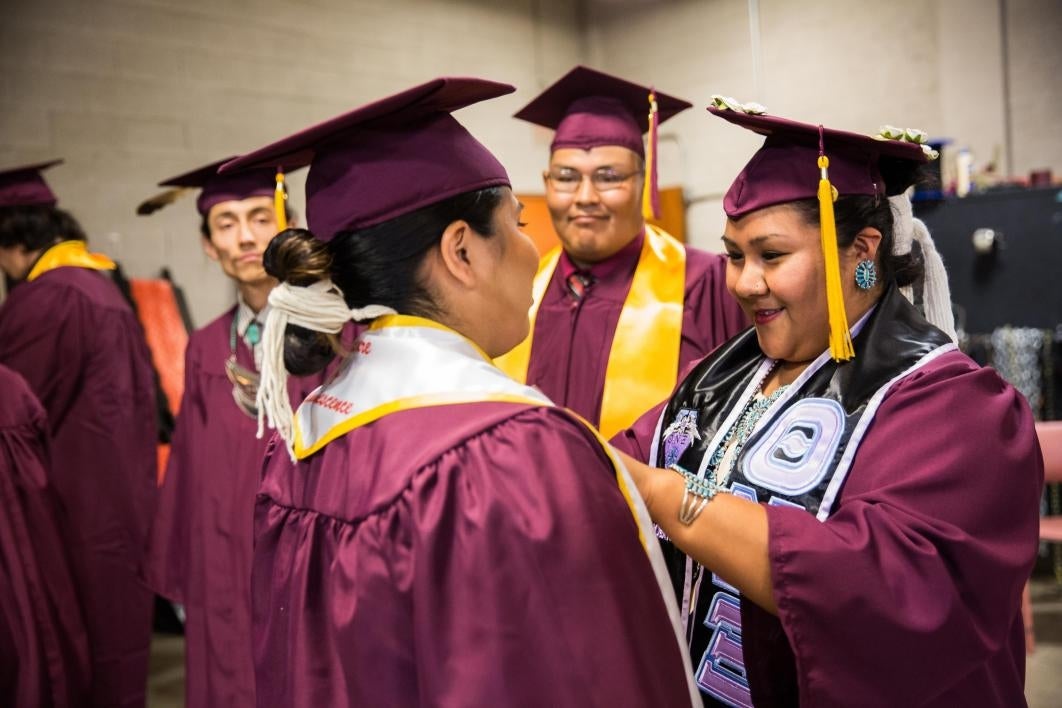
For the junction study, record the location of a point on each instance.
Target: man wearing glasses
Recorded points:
(621, 308)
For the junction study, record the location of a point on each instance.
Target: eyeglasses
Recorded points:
(569, 181)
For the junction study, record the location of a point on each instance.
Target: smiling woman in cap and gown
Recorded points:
(43, 648)
(428, 531)
(882, 490)
(69, 332)
(199, 552)
(621, 307)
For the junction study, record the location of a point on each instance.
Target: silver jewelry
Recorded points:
(695, 496)
(866, 274)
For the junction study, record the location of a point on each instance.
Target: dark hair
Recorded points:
(855, 213)
(378, 265)
(204, 223)
(37, 226)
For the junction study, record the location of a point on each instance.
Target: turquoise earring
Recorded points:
(866, 274)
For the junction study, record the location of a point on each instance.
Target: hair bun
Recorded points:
(296, 256)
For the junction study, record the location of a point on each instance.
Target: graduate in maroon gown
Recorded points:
(621, 307)
(200, 547)
(43, 647)
(882, 490)
(69, 332)
(429, 531)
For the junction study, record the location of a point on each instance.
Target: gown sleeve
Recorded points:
(43, 649)
(637, 440)
(529, 584)
(898, 592)
(166, 561)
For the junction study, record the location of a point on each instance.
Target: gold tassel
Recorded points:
(840, 337)
(280, 197)
(650, 195)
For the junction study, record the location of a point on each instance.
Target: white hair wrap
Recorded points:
(936, 294)
(319, 307)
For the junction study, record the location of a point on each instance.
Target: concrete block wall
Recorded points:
(935, 65)
(133, 91)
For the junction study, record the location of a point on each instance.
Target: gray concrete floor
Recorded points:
(1043, 672)
(1043, 684)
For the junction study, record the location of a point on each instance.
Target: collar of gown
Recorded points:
(618, 266)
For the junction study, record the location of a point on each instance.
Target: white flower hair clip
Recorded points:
(730, 104)
(908, 135)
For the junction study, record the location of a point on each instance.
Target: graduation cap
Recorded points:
(589, 108)
(25, 186)
(389, 157)
(215, 188)
(806, 161)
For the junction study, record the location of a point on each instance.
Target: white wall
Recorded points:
(933, 64)
(134, 91)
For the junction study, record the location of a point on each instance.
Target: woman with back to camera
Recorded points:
(881, 511)
(428, 531)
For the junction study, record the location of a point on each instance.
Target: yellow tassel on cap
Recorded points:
(280, 197)
(840, 337)
(650, 194)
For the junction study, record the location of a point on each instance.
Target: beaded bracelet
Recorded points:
(696, 496)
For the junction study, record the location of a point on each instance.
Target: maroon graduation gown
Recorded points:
(910, 592)
(199, 552)
(43, 648)
(572, 340)
(80, 347)
(468, 555)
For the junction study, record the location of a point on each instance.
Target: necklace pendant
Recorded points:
(253, 333)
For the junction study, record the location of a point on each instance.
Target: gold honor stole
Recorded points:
(644, 359)
(69, 253)
(403, 362)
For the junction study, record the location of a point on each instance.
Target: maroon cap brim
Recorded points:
(25, 186)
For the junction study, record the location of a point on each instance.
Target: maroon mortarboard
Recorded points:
(590, 108)
(214, 188)
(389, 157)
(25, 186)
(805, 161)
(785, 168)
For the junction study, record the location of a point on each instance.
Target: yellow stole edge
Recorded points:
(69, 253)
(457, 398)
(643, 359)
(387, 321)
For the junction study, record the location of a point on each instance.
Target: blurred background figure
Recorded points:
(199, 552)
(69, 332)
(43, 646)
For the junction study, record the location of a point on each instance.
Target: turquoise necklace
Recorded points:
(252, 335)
(740, 432)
